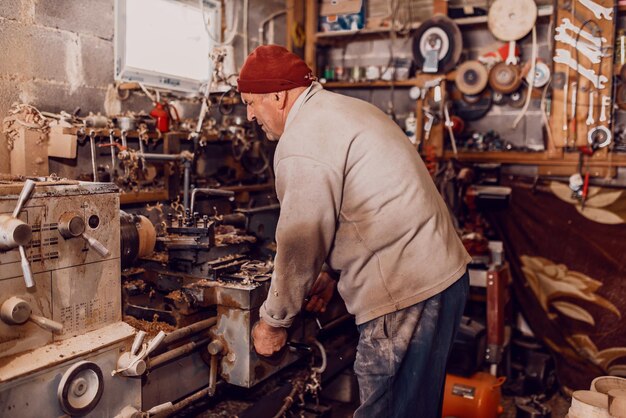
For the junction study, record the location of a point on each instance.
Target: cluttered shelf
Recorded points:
(127, 198)
(370, 84)
(418, 81)
(143, 197)
(534, 158)
(321, 37)
(543, 11)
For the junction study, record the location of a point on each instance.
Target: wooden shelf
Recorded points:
(477, 20)
(418, 80)
(536, 158)
(249, 188)
(369, 84)
(365, 32)
(142, 197)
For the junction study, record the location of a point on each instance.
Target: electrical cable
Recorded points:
(230, 35)
(265, 21)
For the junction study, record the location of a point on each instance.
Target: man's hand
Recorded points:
(320, 293)
(268, 339)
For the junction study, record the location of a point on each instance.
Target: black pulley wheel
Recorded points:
(442, 29)
(476, 110)
(518, 98)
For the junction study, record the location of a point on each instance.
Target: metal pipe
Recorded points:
(330, 326)
(189, 330)
(202, 393)
(187, 185)
(160, 157)
(112, 143)
(92, 143)
(208, 192)
(176, 353)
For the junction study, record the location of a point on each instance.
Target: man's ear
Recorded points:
(281, 98)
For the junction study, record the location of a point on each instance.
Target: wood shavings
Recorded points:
(27, 116)
(150, 328)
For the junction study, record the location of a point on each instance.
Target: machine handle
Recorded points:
(26, 271)
(17, 311)
(28, 188)
(96, 245)
(155, 342)
(47, 324)
(137, 342)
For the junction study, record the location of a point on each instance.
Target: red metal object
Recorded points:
(162, 117)
(498, 298)
(477, 396)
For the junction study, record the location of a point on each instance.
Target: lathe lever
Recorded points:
(16, 311)
(16, 233)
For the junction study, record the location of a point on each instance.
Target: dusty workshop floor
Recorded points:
(558, 403)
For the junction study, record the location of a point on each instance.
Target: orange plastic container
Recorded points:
(477, 396)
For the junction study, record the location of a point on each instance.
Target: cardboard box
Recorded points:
(340, 15)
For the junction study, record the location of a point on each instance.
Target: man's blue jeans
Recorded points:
(401, 357)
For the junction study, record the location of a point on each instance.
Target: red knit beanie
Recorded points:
(271, 68)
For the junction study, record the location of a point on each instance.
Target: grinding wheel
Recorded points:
(438, 28)
(518, 98)
(511, 20)
(500, 99)
(471, 98)
(505, 78)
(471, 77)
(542, 75)
(475, 111)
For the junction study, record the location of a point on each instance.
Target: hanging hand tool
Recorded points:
(590, 118)
(606, 102)
(573, 113)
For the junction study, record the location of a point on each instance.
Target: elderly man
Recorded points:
(356, 197)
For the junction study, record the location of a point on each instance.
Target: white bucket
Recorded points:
(617, 403)
(589, 404)
(604, 384)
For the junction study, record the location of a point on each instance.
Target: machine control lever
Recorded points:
(16, 233)
(16, 311)
(133, 363)
(72, 225)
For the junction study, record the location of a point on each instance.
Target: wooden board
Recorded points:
(566, 130)
(29, 156)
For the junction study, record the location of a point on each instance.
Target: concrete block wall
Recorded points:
(58, 55)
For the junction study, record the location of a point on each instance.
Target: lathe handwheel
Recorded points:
(80, 388)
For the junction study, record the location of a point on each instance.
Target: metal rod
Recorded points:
(189, 330)
(187, 185)
(92, 143)
(141, 150)
(112, 142)
(160, 157)
(329, 326)
(177, 352)
(209, 192)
